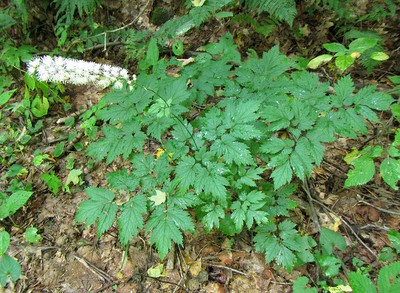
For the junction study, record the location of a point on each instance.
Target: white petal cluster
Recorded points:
(78, 72)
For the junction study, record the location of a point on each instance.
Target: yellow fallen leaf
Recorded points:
(156, 271)
(159, 198)
(195, 268)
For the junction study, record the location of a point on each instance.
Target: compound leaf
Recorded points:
(166, 226)
(185, 172)
(282, 175)
(99, 207)
(131, 219)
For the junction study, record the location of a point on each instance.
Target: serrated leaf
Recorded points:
(330, 265)
(232, 150)
(117, 141)
(165, 226)
(106, 218)
(367, 113)
(378, 101)
(213, 214)
(90, 210)
(185, 172)
(390, 171)
(238, 214)
(388, 278)
(121, 180)
(131, 219)
(52, 181)
(282, 175)
(364, 170)
(211, 181)
(285, 258)
(361, 283)
(250, 176)
(273, 145)
(330, 239)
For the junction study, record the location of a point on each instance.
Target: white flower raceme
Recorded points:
(78, 72)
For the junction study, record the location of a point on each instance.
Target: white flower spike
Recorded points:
(78, 72)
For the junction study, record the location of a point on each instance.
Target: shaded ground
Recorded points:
(69, 258)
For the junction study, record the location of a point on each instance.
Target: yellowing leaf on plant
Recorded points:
(317, 61)
(159, 198)
(159, 152)
(379, 56)
(198, 3)
(156, 271)
(350, 157)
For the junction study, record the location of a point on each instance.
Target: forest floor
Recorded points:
(70, 258)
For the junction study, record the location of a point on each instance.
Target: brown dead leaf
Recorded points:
(214, 288)
(226, 257)
(195, 268)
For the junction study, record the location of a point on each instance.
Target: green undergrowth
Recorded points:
(235, 138)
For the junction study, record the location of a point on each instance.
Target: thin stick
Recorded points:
(379, 208)
(226, 268)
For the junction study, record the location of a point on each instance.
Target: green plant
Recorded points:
(11, 201)
(282, 10)
(345, 57)
(259, 122)
(387, 154)
(15, 13)
(388, 280)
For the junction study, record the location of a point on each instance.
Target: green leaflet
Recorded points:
(249, 209)
(286, 247)
(166, 225)
(361, 283)
(388, 278)
(117, 141)
(131, 219)
(100, 207)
